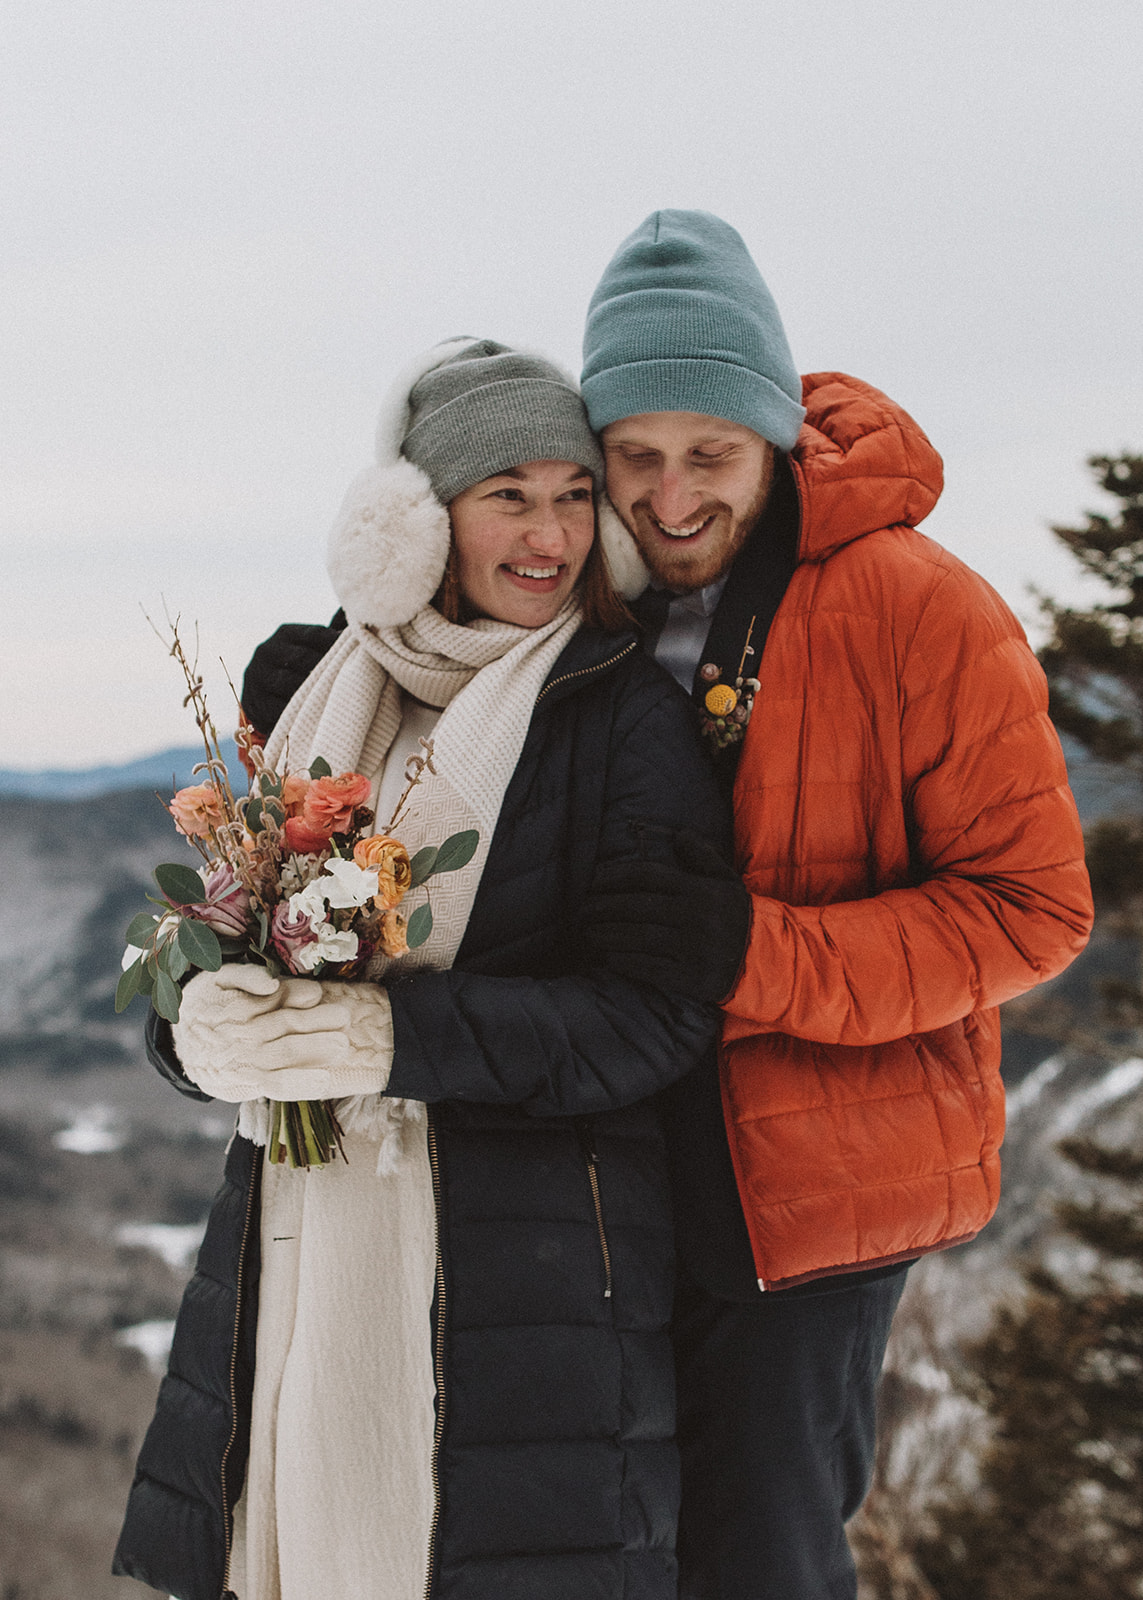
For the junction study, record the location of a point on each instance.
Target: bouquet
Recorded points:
(293, 877)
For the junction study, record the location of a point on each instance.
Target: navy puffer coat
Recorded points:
(555, 1460)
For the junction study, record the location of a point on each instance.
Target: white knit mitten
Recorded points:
(244, 1034)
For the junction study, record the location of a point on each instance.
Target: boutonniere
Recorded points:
(728, 706)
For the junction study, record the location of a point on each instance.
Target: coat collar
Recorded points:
(860, 463)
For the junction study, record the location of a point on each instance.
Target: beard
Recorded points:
(683, 567)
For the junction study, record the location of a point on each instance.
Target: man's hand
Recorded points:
(682, 927)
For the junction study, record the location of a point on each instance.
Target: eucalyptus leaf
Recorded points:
(166, 997)
(457, 851)
(181, 885)
(320, 768)
(268, 785)
(199, 944)
(176, 959)
(128, 986)
(146, 979)
(140, 929)
(419, 927)
(253, 816)
(263, 929)
(422, 864)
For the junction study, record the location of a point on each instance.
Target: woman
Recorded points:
(443, 1367)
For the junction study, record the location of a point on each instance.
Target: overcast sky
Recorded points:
(226, 224)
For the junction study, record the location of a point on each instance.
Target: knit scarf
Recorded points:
(487, 677)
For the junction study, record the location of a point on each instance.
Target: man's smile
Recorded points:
(688, 532)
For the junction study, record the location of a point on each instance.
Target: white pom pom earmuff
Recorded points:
(628, 570)
(389, 545)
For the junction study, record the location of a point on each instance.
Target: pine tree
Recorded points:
(1094, 663)
(1059, 1511)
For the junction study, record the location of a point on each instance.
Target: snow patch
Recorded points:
(1122, 1079)
(93, 1133)
(175, 1244)
(152, 1340)
(1029, 1091)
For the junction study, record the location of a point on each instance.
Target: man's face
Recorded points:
(689, 488)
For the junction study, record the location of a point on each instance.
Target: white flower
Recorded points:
(306, 957)
(309, 903)
(352, 885)
(335, 945)
(131, 955)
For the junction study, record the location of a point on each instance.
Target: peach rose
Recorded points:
(197, 811)
(331, 802)
(294, 790)
(391, 860)
(392, 940)
(302, 839)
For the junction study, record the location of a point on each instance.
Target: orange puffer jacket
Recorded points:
(914, 857)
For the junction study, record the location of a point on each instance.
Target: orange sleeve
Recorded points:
(1001, 899)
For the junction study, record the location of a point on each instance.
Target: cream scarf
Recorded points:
(334, 1500)
(487, 677)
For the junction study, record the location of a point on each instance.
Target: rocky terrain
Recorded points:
(106, 1174)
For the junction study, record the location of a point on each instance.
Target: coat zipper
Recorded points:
(227, 1517)
(587, 1145)
(438, 1357)
(587, 672)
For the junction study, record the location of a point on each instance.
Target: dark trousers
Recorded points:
(777, 1403)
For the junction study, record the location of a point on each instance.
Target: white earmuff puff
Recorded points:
(389, 545)
(628, 570)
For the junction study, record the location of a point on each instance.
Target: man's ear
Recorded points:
(627, 569)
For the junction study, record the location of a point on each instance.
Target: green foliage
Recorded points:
(1059, 1511)
(422, 865)
(1094, 658)
(419, 927)
(181, 885)
(457, 851)
(199, 944)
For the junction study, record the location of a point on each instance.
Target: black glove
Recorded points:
(682, 927)
(280, 666)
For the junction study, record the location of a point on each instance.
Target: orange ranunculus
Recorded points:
(295, 787)
(197, 810)
(302, 839)
(394, 874)
(392, 941)
(331, 802)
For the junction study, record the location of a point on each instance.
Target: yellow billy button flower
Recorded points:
(721, 700)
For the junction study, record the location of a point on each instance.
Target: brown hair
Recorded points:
(603, 607)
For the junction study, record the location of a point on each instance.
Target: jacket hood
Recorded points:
(860, 463)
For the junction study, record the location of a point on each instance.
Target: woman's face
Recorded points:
(521, 540)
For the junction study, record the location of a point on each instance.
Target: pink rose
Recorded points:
(331, 802)
(290, 933)
(226, 908)
(197, 810)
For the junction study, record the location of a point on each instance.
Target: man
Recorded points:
(912, 854)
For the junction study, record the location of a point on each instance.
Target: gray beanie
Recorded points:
(489, 408)
(682, 321)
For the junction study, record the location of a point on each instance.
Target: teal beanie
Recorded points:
(682, 321)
